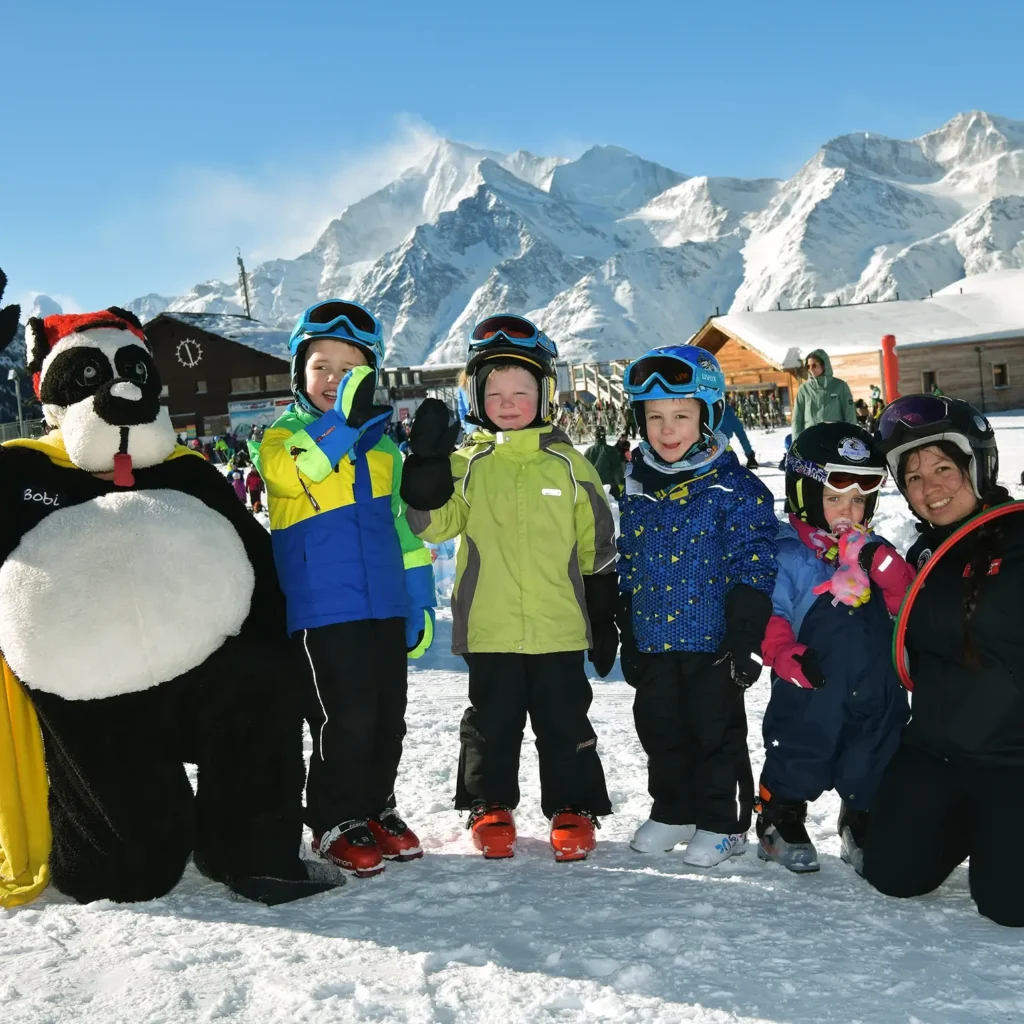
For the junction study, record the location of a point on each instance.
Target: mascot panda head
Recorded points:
(95, 377)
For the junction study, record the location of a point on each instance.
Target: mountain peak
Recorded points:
(612, 177)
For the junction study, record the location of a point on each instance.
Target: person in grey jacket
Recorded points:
(823, 397)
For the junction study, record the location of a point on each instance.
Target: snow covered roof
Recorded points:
(990, 307)
(261, 337)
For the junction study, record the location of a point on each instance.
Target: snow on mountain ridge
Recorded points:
(614, 250)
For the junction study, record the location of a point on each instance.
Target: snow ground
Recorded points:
(456, 939)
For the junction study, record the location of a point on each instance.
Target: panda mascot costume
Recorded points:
(140, 611)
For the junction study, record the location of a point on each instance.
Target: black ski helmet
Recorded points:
(836, 454)
(917, 421)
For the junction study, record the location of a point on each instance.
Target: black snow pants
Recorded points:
(123, 813)
(692, 724)
(931, 814)
(555, 691)
(356, 686)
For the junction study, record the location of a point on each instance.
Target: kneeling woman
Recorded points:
(952, 791)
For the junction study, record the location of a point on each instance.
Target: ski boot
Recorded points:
(350, 846)
(706, 849)
(494, 830)
(852, 829)
(572, 834)
(396, 840)
(782, 835)
(655, 837)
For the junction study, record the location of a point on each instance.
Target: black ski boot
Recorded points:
(852, 829)
(783, 836)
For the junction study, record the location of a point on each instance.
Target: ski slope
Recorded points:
(453, 938)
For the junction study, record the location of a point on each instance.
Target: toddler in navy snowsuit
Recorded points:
(837, 708)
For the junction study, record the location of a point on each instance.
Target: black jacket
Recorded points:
(968, 701)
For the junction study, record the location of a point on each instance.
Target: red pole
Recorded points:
(890, 368)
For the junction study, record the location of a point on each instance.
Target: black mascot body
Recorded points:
(139, 608)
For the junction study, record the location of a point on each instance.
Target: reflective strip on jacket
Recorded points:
(534, 521)
(342, 545)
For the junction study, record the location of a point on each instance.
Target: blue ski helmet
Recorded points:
(677, 371)
(334, 318)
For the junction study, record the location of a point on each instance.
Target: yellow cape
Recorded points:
(25, 835)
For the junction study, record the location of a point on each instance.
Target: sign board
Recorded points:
(259, 412)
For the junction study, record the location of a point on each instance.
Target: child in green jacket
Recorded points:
(535, 586)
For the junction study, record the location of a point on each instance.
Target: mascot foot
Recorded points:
(274, 891)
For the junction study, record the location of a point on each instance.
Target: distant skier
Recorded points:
(609, 462)
(731, 426)
(837, 707)
(823, 397)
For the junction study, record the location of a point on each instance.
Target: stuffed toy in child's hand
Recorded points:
(850, 584)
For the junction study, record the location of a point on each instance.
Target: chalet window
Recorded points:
(279, 381)
(244, 385)
(928, 380)
(165, 391)
(1000, 375)
(200, 387)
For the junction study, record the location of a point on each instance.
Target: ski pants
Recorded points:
(123, 813)
(832, 738)
(355, 696)
(692, 724)
(555, 691)
(931, 814)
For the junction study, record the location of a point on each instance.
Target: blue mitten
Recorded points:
(419, 631)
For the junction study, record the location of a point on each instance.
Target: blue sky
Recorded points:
(143, 142)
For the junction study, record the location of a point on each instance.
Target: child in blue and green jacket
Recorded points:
(358, 584)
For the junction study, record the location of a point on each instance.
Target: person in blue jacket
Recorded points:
(696, 572)
(837, 708)
(358, 584)
(732, 427)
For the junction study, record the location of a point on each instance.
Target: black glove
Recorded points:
(630, 657)
(808, 662)
(747, 612)
(602, 595)
(427, 473)
(751, 461)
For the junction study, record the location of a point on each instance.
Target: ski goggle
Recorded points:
(671, 372)
(348, 321)
(506, 328)
(843, 479)
(912, 411)
(839, 478)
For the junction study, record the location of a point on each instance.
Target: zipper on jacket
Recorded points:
(312, 500)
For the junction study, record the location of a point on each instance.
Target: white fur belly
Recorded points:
(121, 593)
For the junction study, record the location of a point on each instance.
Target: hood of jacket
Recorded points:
(826, 378)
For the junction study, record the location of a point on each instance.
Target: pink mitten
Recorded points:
(850, 584)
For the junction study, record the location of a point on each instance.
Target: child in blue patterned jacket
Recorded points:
(696, 573)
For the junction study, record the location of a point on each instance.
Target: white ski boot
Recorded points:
(655, 837)
(706, 849)
(852, 828)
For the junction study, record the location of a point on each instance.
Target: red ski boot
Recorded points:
(572, 834)
(494, 830)
(396, 840)
(351, 846)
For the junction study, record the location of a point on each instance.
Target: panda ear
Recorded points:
(9, 317)
(36, 348)
(126, 315)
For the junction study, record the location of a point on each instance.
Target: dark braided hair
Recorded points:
(985, 542)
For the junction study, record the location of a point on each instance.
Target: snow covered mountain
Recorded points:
(613, 253)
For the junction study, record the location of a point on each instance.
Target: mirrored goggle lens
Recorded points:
(913, 411)
(671, 371)
(863, 482)
(511, 326)
(330, 313)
